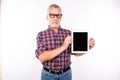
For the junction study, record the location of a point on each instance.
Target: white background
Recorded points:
(23, 19)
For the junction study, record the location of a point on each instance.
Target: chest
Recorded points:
(52, 41)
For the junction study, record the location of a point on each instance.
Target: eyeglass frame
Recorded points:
(58, 16)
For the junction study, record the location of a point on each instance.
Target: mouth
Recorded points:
(55, 22)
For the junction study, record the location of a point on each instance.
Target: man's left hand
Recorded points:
(91, 43)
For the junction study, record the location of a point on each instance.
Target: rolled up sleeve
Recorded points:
(40, 47)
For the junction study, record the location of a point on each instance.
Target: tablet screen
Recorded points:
(80, 42)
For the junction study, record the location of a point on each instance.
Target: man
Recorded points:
(53, 48)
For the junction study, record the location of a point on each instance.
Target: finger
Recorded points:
(91, 39)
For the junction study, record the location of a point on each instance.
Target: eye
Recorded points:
(51, 15)
(59, 15)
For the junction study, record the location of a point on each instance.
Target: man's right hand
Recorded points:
(67, 41)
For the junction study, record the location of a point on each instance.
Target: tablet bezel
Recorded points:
(73, 43)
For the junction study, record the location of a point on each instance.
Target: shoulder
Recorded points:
(42, 33)
(66, 31)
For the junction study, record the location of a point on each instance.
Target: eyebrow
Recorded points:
(54, 14)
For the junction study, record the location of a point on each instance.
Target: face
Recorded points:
(54, 17)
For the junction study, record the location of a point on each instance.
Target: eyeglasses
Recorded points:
(53, 15)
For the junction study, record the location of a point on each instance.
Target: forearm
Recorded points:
(81, 54)
(78, 54)
(48, 55)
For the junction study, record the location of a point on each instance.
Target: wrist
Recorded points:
(62, 48)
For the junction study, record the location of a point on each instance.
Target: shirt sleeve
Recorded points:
(40, 47)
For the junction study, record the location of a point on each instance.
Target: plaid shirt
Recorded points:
(49, 40)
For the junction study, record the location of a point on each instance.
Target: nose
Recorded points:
(55, 17)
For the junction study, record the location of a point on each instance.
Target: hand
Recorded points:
(67, 41)
(91, 43)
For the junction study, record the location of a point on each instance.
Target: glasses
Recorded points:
(53, 15)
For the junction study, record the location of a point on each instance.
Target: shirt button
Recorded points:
(58, 58)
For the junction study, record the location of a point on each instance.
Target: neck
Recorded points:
(55, 29)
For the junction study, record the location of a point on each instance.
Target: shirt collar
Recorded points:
(50, 29)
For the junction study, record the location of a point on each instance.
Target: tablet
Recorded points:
(80, 42)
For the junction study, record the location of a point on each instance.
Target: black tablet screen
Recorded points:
(80, 41)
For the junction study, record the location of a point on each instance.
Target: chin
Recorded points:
(55, 26)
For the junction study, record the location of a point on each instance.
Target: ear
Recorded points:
(47, 17)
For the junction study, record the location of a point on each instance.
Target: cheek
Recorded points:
(59, 20)
(49, 20)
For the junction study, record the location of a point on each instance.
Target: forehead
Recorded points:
(54, 10)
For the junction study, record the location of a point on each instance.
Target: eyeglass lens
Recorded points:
(57, 15)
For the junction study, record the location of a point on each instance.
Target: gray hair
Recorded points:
(54, 6)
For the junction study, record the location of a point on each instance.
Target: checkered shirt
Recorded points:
(49, 40)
